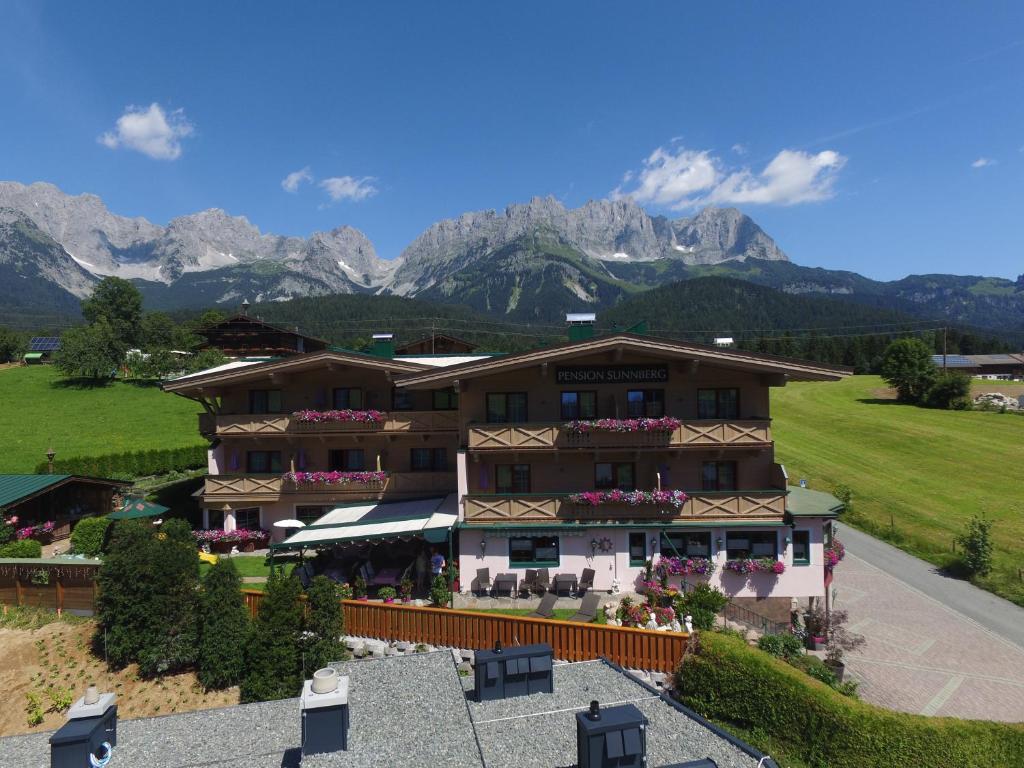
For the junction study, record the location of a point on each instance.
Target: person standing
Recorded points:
(437, 563)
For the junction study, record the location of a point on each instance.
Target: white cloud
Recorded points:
(791, 177)
(349, 188)
(683, 178)
(291, 182)
(983, 162)
(739, 149)
(151, 131)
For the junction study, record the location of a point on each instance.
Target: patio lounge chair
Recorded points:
(586, 581)
(529, 582)
(543, 582)
(482, 582)
(588, 609)
(546, 609)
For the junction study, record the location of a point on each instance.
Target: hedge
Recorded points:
(132, 464)
(89, 536)
(724, 679)
(23, 548)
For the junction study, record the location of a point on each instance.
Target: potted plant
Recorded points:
(840, 640)
(359, 587)
(455, 577)
(345, 591)
(387, 594)
(815, 627)
(406, 588)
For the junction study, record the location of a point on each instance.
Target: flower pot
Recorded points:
(406, 599)
(389, 599)
(247, 546)
(363, 598)
(221, 547)
(815, 643)
(838, 669)
(455, 586)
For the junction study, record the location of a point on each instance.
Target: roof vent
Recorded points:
(611, 736)
(581, 325)
(383, 345)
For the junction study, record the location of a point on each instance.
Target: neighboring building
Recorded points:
(436, 344)
(1004, 366)
(41, 349)
(245, 336)
(494, 432)
(62, 499)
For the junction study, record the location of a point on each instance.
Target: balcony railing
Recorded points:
(236, 425)
(230, 488)
(548, 436)
(765, 505)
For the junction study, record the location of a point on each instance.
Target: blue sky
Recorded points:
(886, 138)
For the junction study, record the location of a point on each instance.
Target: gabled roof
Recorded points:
(251, 320)
(796, 370)
(403, 348)
(15, 489)
(244, 370)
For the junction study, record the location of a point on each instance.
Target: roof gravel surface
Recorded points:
(410, 710)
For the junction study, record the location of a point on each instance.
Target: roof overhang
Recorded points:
(791, 369)
(242, 371)
(804, 502)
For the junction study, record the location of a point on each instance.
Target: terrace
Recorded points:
(390, 422)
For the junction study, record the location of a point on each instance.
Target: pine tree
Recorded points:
(324, 626)
(273, 664)
(224, 627)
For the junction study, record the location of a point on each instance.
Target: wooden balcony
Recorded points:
(727, 506)
(264, 424)
(256, 488)
(553, 436)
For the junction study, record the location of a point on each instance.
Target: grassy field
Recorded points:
(917, 475)
(38, 409)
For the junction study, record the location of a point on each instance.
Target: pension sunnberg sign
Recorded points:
(611, 374)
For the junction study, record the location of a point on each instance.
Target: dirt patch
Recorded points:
(884, 393)
(58, 657)
(1011, 388)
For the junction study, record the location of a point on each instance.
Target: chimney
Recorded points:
(90, 734)
(616, 736)
(383, 345)
(581, 325)
(324, 709)
(245, 307)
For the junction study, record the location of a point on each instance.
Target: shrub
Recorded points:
(726, 680)
(950, 390)
(224, 627)
(359, 586)
(325, 625)
(132, 464)
(976, 546)
(440, 595)
(23, 548)
(273, 665)
(907, 367)
(89, 536)
(702, 603)
(784, 646)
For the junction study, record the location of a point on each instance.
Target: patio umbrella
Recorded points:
(289, 524)
(136, 508)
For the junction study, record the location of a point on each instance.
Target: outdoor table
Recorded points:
(505, 583)
(386, 577)
(565, 583)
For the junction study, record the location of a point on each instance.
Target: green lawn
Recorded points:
(252, 565)
(37, 410)
(917, 474)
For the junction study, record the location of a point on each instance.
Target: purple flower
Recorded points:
(346, 414)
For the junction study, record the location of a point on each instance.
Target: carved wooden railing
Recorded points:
(696, 433)
(540, 508)
(236, 425)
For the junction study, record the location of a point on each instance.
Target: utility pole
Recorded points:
(943, 349)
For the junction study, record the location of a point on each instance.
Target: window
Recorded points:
(265, 401)
(346, 460)
(249, 517)
(718, 403)
(579, 405)
(512, 478)
(637, 549)
(262, 462)
(753, 544)
(505, 407)
(310, 514)
(533, 551)
(348, 397)
(718, 476)
(621, 475)
(428, 459)
(801, 547)
(402, 400)
(686, 543)
(215, 518)
(645, 402)
(446, 400)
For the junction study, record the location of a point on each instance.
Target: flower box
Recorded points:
(674, 499)
(663, 424)
(834, 553)
(749, 565)
(684, 566)
(336, 478)
(344, 415)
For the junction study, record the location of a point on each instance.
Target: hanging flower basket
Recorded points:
(336, 478)
(674, 499)
(663, 424)
(343, 415)
(834, 553)
(749, 565)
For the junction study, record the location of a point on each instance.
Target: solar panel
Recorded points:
(44, 343)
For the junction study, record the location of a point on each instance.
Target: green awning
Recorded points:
(135, 509)
(803, 502)
(33, 355)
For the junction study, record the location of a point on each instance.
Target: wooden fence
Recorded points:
(571, 641)
(45, 584)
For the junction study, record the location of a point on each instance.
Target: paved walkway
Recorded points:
(927, 651)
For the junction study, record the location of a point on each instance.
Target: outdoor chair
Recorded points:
(546, 609)
(482, 582)
(529, 582)
(586, 581)
(588, 609)
(543, 582)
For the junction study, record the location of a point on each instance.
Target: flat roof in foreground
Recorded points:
(412, 711)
